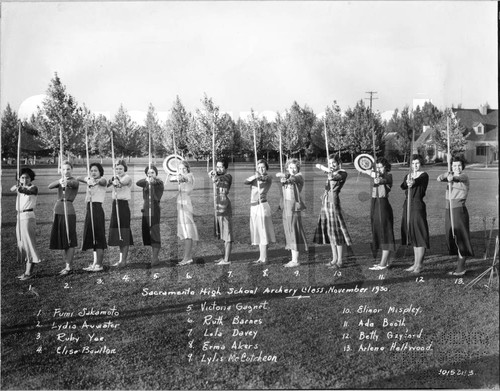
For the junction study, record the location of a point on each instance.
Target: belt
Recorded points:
(27, 210)
(257, 203)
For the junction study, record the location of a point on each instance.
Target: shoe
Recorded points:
(334, 266)
(155, 263)
(20, 276)
(258, 262)
(378, 267)
(291, 264)
(222, 262)
(64, 272)
(89, 268)
(410, 269)
(97, 268)
(417, 271)
(331, 263)
(186, 262)
(119, 264)
(26, 277)
(457, 274)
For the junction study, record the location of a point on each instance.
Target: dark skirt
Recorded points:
(461, 229)
(382, 220)
(151, 233)
(98, 231)
(223, 228)
(295, 237)
(419, 230)
(331, 226)
(59, 236)
(126, 233)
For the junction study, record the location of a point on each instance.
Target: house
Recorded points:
(481, 132)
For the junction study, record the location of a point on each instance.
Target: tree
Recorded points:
(296, 128)
(60, 113)
(100, 136)
(401, 124)
(153, 127)
(10, 131)
(265, 135)
(335, 132)
(177, 124)
(127, 137)
(204, 124)
(360, 126)
(458, 142)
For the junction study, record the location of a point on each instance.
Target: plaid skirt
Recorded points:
(331, 226)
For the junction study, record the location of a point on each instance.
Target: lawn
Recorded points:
(203, 326)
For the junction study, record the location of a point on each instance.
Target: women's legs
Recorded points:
(419, 259)
(156, 251)
(98, 256)
(188, 249)
(68, 255)
(384, 261)
(460, 264)
(335, 257)
(227, 248)
(340, 250)
(263, 252)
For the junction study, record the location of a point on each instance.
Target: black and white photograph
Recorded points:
(249, 195)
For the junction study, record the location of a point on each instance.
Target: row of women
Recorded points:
(331, 228)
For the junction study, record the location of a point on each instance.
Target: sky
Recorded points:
(251, 55)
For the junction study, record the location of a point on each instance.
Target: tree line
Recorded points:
(357, 130)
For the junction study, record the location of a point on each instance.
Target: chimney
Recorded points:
(483, 109)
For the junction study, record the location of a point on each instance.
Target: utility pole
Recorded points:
(371, 121)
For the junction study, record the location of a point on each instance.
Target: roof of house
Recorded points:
(470, 118)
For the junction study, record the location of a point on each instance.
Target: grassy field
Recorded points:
(171, 327)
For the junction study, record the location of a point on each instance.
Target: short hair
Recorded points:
(29, 171)
(335, 158)
(385, 163)
(99, 167)
(224, 162)
(459, 159)
(153, 167)
(417, 157)
(122, 162)
(293, 161)
(185, 164)
(67, 163)
(263, 161)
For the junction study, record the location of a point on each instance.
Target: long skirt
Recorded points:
(295, 236)
(418, 236)
(382, 220)
(461, 229)
(186, 228)
(261, 224)
(126, 233)
(94, 237)
(151, 232)
(59, 235)
(26, 237)
(223, 228)
(331, 227)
